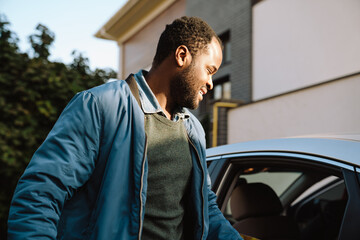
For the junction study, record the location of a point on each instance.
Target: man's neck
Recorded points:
(158, 80)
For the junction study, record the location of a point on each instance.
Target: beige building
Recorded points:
(305, 62)
(306, 71)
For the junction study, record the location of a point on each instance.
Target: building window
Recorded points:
(222, 89)
(225, 38)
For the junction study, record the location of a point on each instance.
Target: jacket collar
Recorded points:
(149, 103)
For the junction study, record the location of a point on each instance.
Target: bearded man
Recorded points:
(126, 160)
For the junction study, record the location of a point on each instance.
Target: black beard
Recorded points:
(183, 89)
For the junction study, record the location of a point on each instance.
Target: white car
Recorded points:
(291, 188)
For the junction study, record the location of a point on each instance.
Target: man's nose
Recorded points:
(209, 84)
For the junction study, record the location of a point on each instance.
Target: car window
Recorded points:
(315, 200)
(278, 181)
(318, 186)
(320, 214)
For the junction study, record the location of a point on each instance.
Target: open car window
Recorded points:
(278, 181)
(312, 198)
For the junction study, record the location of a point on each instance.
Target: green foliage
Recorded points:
(33, 92)
(42, 41)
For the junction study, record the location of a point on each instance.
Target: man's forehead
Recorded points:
(214, 47)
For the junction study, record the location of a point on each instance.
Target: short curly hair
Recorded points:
(192, 32)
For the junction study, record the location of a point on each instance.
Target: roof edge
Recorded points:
(118, 28)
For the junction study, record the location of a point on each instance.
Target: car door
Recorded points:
(332, 189)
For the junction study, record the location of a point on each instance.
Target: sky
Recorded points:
(74, 23)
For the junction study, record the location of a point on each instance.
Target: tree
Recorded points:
(33, 92)
(42, 41)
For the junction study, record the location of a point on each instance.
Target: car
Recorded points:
(290, 188)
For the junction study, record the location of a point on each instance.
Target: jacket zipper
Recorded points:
(141, 188)
(202, 185)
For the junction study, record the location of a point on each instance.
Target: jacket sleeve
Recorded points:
(219, 227)
(62, 164)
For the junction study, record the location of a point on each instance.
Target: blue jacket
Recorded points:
(88, 179)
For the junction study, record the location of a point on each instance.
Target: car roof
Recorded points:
(345, 148)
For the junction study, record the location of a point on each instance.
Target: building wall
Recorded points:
(332, 107)
(306, 71)
(299, 43)
(223, 16)
(138, 51)
(233, 16)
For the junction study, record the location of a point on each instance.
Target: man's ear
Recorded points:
(183, 57)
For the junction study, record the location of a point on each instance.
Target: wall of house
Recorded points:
(139, 50)
(332, 107)
(299, 43)
(233, 16)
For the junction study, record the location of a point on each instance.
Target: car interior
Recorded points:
(281, 199)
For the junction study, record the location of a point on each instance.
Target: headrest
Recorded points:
(254, 200)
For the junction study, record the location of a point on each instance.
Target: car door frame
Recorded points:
(222, 166)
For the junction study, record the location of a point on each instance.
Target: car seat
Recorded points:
(257, 210)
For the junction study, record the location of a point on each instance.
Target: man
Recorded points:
(125, 160)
